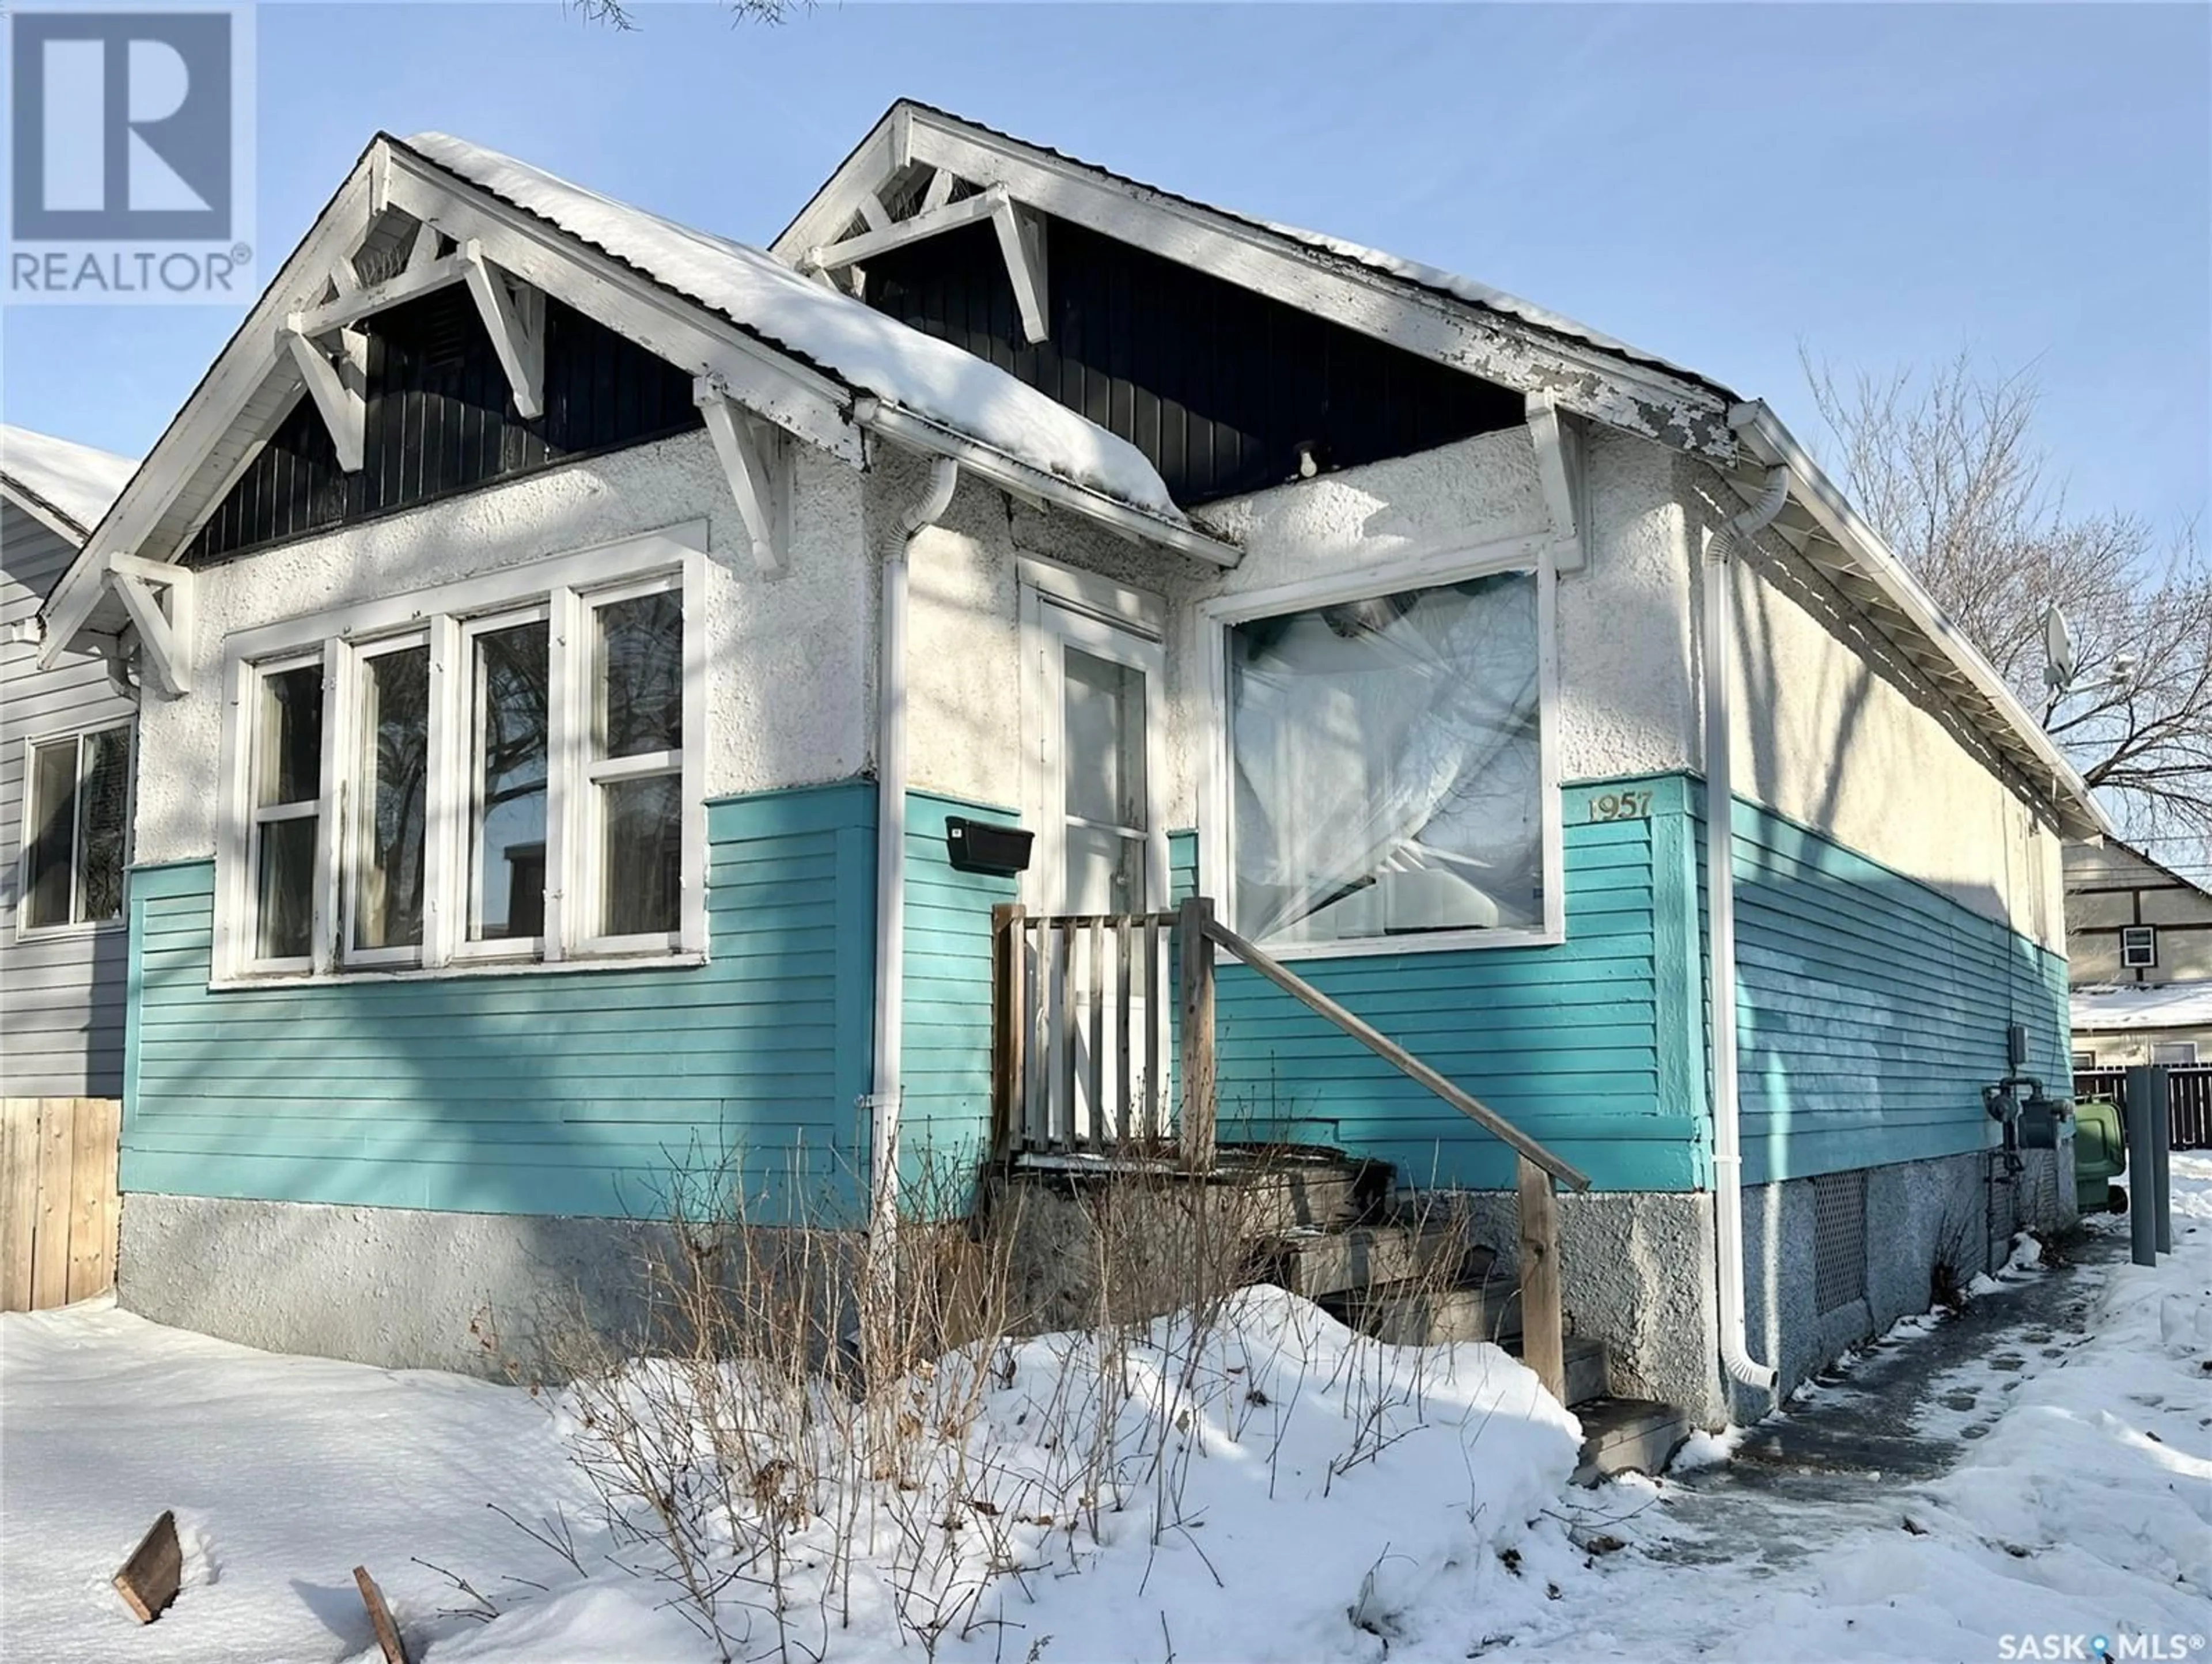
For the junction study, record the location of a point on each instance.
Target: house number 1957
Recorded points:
(1621, 806)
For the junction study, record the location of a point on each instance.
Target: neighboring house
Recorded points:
(65, 740)
(572, 636)
(2139, 941)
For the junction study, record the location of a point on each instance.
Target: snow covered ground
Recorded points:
(1338, 1500)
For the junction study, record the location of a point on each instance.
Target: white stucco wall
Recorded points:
(1623, 629)
(789, 691)
(1832, 731)
(1837, 731)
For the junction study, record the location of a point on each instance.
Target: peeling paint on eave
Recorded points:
(1678, 414)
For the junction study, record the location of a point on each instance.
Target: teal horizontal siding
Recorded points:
(581, 1092)
(1871, 1009)
(1588, 1045)
(945, 1116)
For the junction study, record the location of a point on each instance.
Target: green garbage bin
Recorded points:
(2100, 1156)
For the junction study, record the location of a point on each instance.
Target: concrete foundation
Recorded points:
(1638, 1267)
(398, 1287)
(408, 1288)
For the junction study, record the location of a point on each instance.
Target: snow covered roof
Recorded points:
(860, 347)
(2172, 1006)
(61, 481)
(1439, 280)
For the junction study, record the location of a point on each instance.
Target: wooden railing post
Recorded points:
(1194, 937)
(1543, 1338)
(1009, 1024)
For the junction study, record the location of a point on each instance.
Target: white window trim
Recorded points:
(563, 586)
(1215, 830)
(1127, 626)
(26, 810)
(467, 767)
(354, 834)
(584, 820)
(2149, 945)
(2194, 1050)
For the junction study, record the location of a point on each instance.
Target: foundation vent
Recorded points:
(1839, 1240)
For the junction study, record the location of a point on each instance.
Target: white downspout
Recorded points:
(890, 852)
(1720, 891)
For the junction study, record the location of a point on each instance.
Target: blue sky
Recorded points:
(1883, 184)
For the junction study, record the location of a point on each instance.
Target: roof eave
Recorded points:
(1772, 444)
(45, 513)
(920, 433)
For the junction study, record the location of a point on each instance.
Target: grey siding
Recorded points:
(61, 993)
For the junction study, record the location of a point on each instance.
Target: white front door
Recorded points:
(1091, 721)
(1094, 722)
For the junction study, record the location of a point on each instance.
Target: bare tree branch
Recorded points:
(1944, 463)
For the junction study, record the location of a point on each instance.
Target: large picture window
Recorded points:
(509, 777)
(76, 828)
(1387, 768)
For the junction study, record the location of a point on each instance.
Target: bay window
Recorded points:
(502, 771)
(1387, 779)
(76, 825)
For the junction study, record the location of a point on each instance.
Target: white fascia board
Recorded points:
(837, 203)
(1009, 473)
(1637, 398)
(253, 354)
(43, 512)
(1774, 445)
(801, 400)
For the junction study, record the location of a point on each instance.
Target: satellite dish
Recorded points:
(2060, 657)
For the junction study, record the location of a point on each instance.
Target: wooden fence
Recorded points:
(2189, 1099)
(59, 1206)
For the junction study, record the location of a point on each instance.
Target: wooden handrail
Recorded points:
(1395, 1055)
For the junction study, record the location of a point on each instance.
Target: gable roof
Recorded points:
(1472, 327)
(795, 354)
(65, 486)
(866, 352)
(800, 234)
(1481, 331)
(2105, 866)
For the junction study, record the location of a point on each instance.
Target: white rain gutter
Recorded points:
(883, 1101)
(1720, 891)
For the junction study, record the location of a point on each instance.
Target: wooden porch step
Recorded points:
(1286, 1199)
(1486, 1306)
(1625, 1434)
(1320, 1263)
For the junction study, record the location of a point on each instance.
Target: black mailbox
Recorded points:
(980, 847)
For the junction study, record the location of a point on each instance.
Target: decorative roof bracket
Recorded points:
(164, 638)
(756, 461)
(513, 316)
(1020, 232)
(340, 390)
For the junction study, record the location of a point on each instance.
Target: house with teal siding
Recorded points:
(614, 693)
